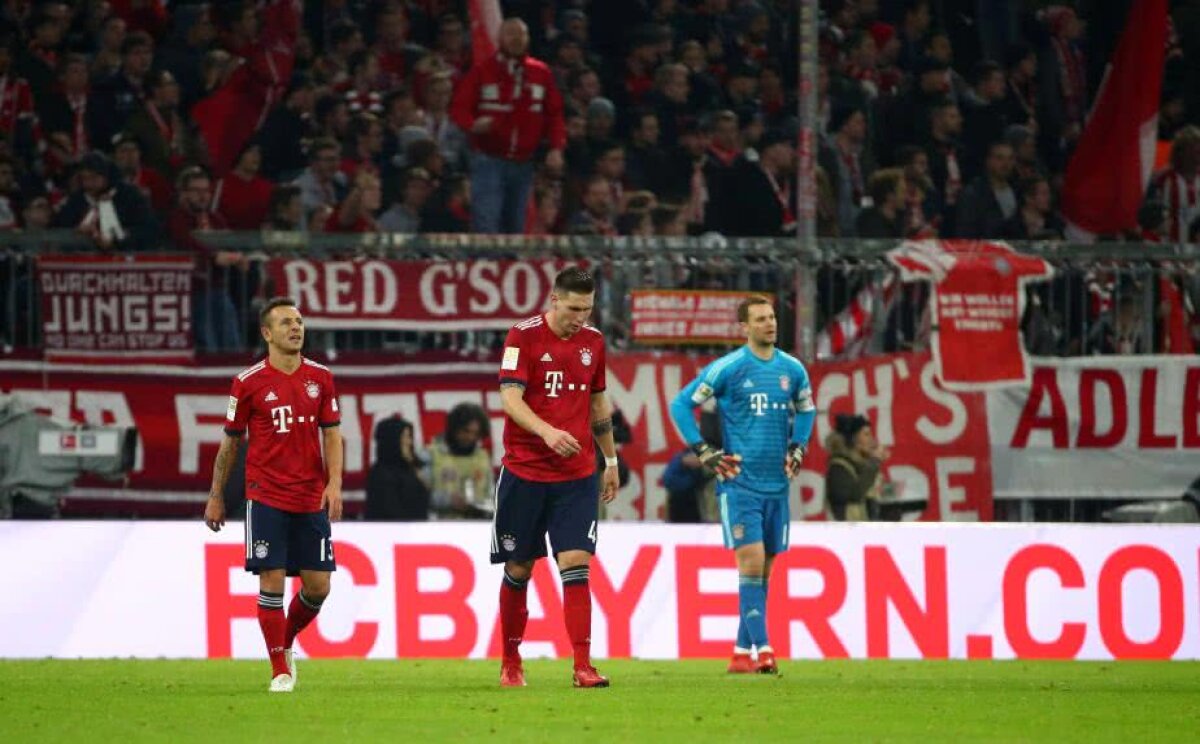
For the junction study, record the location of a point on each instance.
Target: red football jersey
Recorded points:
(560, 375)
(283, 415)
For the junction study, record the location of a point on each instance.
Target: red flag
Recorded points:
(1107, 175)
(485, 28)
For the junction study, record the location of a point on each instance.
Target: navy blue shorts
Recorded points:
(526, 511)
(280, 539)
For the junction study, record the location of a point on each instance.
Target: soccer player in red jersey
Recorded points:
(288, 405)
(552, 382)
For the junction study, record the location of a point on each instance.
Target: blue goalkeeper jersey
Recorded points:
(764, 406)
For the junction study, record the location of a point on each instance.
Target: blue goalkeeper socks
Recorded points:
(752, 607)
(743, 642)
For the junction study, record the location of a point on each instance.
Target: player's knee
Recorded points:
(272, 580)
(573, 559)
(519, 570)
(317, 589)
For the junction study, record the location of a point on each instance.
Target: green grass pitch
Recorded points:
(691, 701)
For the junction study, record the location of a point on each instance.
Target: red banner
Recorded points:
(938, 439)
(105, 307)
(686, 316)
(978, 300)
(415, 295)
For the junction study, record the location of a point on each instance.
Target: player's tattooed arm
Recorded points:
(214, 510)
(512, 385)
(602, 427)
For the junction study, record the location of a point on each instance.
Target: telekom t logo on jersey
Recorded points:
(553, 383)
(758, 403)
(282, 416)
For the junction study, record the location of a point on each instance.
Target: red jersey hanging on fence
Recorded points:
(978, 300)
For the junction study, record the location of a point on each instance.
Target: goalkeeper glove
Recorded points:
(718, 461)
(795, 457)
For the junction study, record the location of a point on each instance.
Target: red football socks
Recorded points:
(301, 612)
(274, 627)
(577, 613)
(513, 615)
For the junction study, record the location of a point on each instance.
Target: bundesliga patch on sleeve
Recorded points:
(511, 355)
(703, 392)
(334, 404)
(231, 412)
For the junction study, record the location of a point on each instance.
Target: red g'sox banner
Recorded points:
(105, 308)
(415, 295)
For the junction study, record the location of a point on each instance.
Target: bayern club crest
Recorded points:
(585, 356)
(784, 383)
(313, 389)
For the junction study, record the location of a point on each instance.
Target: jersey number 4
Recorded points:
(592, 532)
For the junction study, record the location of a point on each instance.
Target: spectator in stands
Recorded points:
(939, 48)
(704, 92)
(595, 217)
(1062, 82)
(287, 129)
(391, 36)
(36, 213)
(853, 480)
(406, 214)
(450, 211)
(449, 138)
(460, 468)
(646, 162)
(671, 102)
(365, 146)
(122, 94)
(631, 86)
(333, 67)
(243, 196)
(1122, 329)
(668, 221)
(583, 85)
(990, 199)
(1178, 187)
(361, 89)
(946, 161)
(192, 37)
(322, 184)
(396, 489)
(333, 117)
(18, 118)
(214, 317)
(450, 45)
(286, 210)
(66, 114)
(984, 113)
(848, 164)
(107, 60)
(885, 218)
(638, 223)
(507, 129)
(1035, 220)
(10, 194)
(168, 140)
(110, 212)
(127, 156)
(610, 165)
(548, 212)
(1026, 163)
(763, 190)
(915, 22)
(38, 61)
(724, 150)
(905, 120)
(355, 214)
(1021, 94)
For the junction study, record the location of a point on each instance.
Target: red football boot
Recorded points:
(766, 663)
(512, 674)
(741, 664)
(588, 677)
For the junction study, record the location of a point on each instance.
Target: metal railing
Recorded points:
(1096, 286)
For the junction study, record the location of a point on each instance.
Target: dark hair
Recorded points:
(419, 151)
(320, 144)
(574, 279)
(358, 59)
(906, 154)
(280, 196)
(1029, 185)
(883, 183)
(463, 414)
(360, 126)
(273, 303)
(985, 69)
(135, 40)
(663, 215)
(743, 308)
(341, 32)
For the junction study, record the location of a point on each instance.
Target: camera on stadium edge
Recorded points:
(41, 457)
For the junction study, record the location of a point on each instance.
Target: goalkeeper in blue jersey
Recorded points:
(766, 407)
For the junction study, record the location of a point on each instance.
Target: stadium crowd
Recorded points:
(346, 116)
(141, 126)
